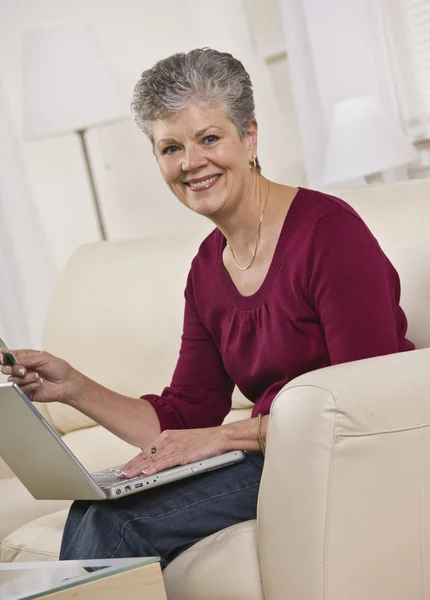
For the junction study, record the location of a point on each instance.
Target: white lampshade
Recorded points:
(67, 84)
(363, 140)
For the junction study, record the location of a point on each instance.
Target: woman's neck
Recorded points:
(240, 226)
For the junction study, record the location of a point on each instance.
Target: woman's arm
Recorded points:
(242, 434)
(199, 395)
(355, 290)
(47, 378)
(132, 419)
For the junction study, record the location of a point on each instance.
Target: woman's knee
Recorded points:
(92, 530)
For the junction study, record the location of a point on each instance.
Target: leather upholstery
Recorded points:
(223, 565)
(347, 482)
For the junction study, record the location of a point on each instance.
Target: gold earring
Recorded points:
(253, 162)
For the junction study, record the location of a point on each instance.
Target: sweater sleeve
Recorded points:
(200, 392)
(354, 289)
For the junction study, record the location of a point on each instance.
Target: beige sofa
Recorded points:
(344, 507)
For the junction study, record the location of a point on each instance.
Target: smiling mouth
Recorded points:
(203, 184)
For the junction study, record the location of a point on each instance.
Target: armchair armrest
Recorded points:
(344, 507)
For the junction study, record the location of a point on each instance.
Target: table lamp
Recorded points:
(363, 141)
(68, 87)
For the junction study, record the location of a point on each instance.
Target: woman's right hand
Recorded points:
(41, 376)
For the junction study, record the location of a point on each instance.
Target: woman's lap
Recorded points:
(166, 520)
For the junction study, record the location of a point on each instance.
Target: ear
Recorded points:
(251, 138)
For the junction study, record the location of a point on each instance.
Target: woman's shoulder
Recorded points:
(317, 213)
(316, 205)
(208, 250)
(326, 217)
(210, 244)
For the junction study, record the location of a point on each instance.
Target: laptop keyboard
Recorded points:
(105, 478)
(108, 477)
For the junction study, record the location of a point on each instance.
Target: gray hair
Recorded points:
(203, 76)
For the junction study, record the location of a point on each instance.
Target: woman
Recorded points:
(290, 280)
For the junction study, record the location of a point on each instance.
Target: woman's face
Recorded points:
(202, 158)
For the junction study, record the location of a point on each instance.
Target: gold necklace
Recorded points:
(257, 242)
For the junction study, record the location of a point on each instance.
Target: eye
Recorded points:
(170, 149)
(210, 139)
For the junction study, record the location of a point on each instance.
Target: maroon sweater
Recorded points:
(330, 296)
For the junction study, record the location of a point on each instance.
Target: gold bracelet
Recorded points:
(260, 435)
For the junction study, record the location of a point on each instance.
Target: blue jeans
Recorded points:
(166, 520)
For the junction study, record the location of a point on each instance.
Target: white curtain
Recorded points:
(336, 51)
(27, 270)
(408, 34)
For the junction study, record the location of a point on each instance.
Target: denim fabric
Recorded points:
(166, 520)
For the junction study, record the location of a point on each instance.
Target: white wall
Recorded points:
(134, 34)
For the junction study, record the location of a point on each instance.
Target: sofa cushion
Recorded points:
(97, 448)
(124, 302)
(37, 540)
(239, 402)
(5, 472)
(237, 414)
(17, 506)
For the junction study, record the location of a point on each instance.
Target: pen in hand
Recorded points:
(10, 357)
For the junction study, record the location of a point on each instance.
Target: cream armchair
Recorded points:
(345, 495)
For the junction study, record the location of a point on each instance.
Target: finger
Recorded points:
(133, 470)
(134, 461)
(17, 371)
(31, 358)
(131, 466)
(138, 466)
(146, 462)
(28, 389)
(6, 370)
(150, 466)
(27, 379)
(162, 463)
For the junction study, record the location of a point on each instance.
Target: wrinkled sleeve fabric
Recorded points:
(200, 392)
(354, 290)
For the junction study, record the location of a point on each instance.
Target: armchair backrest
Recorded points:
(399, 217)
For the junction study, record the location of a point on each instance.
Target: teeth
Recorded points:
(204, 182)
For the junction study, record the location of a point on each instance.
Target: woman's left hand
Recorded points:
(176, 447)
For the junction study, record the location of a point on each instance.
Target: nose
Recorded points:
(193, 159)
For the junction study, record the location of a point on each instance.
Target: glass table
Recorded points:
(83, 580)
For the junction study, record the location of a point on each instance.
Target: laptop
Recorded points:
(50, 471)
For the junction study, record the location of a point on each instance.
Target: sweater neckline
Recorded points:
(254, 300)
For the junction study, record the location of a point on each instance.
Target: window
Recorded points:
(407, 25)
